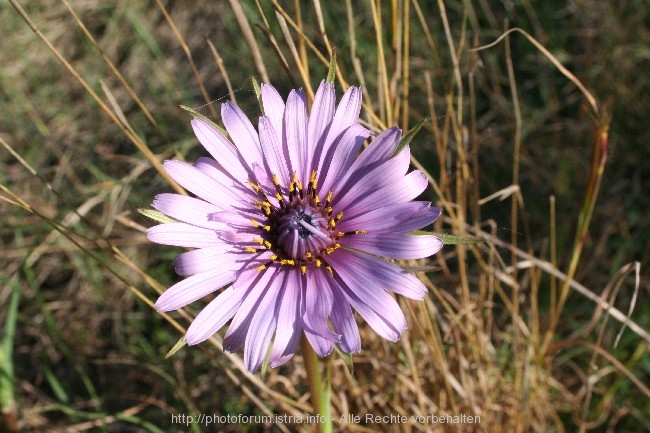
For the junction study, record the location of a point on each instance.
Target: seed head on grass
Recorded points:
(292, 220)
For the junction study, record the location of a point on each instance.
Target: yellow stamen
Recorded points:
(255, 186)
(333, 248)
(294, 181)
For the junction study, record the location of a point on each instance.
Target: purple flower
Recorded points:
(290, 224)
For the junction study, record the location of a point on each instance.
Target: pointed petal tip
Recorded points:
(160, 307)
(436, 210)
(280, 360)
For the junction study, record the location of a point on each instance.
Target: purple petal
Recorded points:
(320, 118)
(398, 217)
(221, 149)
(288, 332)
(380, 150)
(214, 315)
(347, 114)
(388, 327)
(318, 306)
(343, 320)
(273, 106)
(272, 149)
(187, 209)
(193, 288)
(384, 274)
(255, 287)
(241, 132)
(244, 238)
(266, 183)
(295, 130)
(199, 183)
(342, 155)
(237, 192)
(183, 235)
(322, 346)
(262, 326)
(387, 173)
(369, 298)
(204, 260)
(394, 245)
(239, 220)
(401, 191)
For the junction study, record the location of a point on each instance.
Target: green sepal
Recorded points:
(265, 362)
(406, 138)
(195, 113)
(423, 268)
(258, 94)
(458, 240)
(156, 215)
(346, 357)
(178, 346)
(331, 73)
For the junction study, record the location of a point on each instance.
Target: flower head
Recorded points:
(292, 220)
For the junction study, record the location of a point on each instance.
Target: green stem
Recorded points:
(319, 386)
(599, 159)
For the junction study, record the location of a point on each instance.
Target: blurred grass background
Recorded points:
(84, 351)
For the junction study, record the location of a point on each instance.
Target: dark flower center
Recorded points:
(301, 228)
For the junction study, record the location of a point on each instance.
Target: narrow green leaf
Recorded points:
(178, 346)
(57, 388)
(156, 215)
(7, 379)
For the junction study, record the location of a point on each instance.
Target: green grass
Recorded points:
(501, 335)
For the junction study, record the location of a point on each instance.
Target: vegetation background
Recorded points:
(544, 327)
